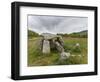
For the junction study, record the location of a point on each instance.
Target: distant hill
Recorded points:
(32, 34)
(81, 34)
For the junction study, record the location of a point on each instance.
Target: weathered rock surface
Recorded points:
(46, 47)
(59, 47)
(52, 41)
(64, 55)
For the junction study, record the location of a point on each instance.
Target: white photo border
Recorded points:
(42, 70)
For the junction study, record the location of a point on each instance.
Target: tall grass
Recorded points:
(78, 55)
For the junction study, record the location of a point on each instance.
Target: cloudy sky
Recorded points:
(56, 24)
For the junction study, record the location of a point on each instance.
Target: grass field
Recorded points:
(37, 58)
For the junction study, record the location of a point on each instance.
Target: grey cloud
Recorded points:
(56, 24)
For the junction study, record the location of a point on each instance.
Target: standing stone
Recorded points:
(46, 47)
(59, 47)
(60, 40)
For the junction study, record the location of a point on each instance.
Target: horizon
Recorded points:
(59, 33)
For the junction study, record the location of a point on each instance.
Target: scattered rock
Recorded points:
(64, 55)
(77, 45)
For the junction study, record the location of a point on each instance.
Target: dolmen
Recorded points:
(51, 41)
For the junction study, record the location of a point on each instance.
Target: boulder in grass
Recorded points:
(77, 45)
(64, 55)
(76, 48)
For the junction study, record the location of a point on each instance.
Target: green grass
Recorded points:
(37, 58)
